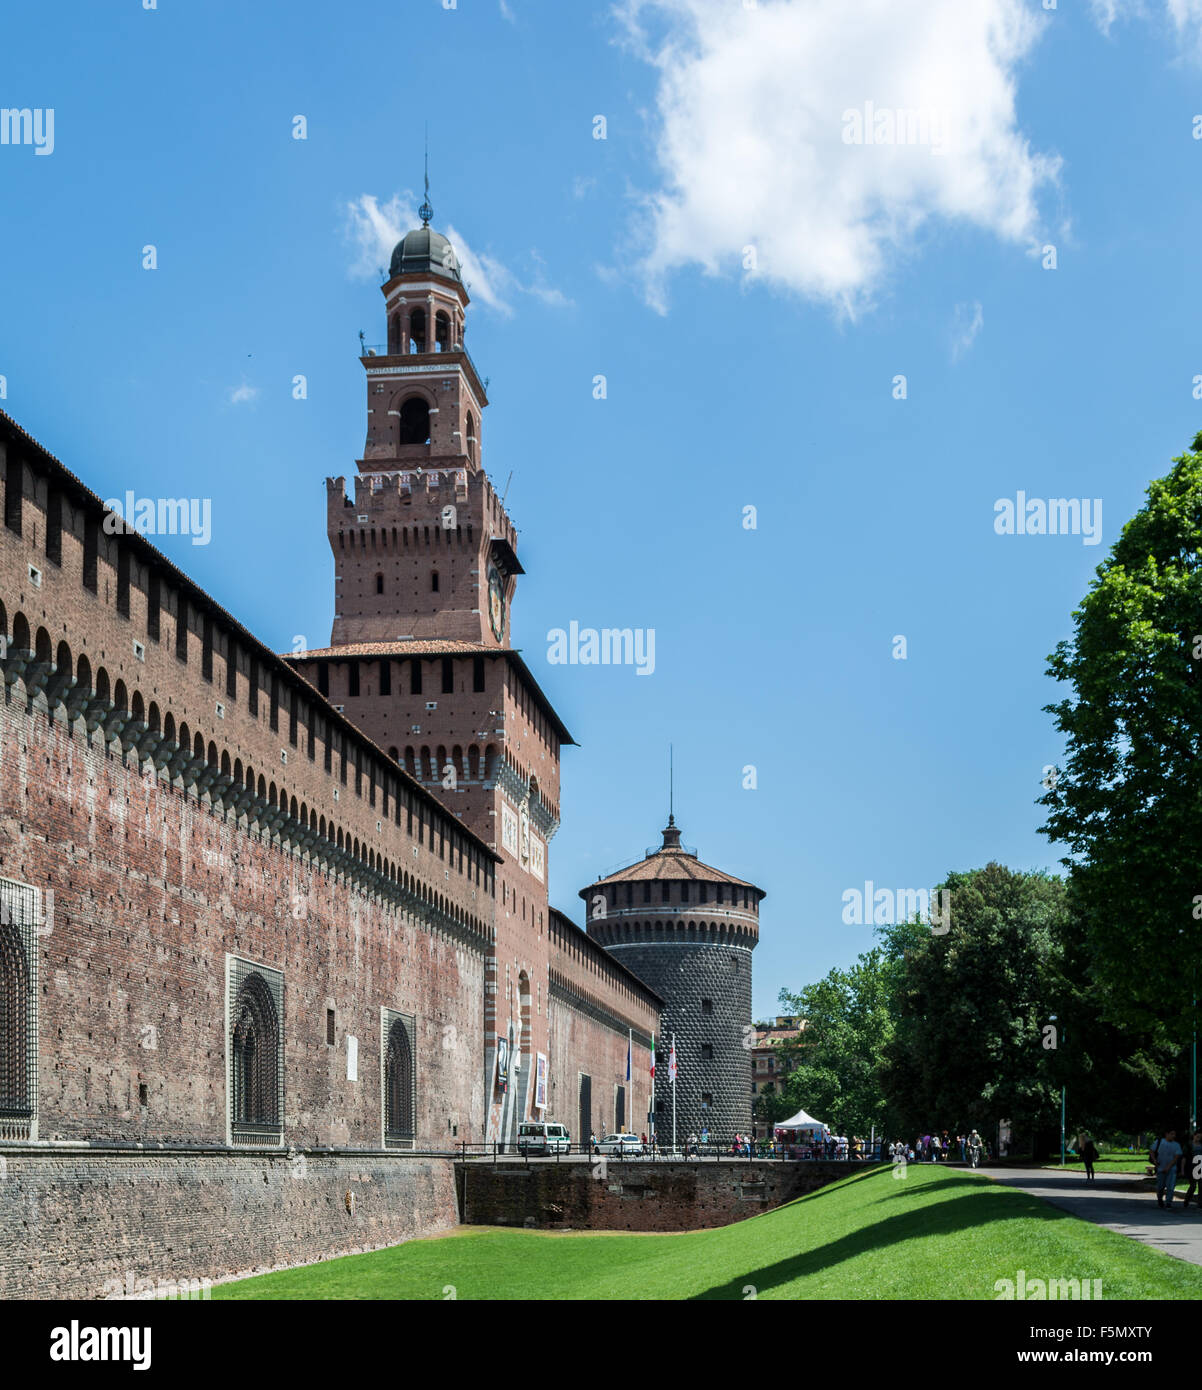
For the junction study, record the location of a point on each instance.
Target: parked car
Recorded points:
(535, 1137)
(620, 1144)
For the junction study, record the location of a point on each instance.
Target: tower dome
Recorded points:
(424, 251)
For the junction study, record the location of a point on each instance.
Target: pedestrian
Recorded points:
(975, 1146)
(1193, 1166)
(592, 1142)
(960, 1140)
(705, 1135)
(1089, 1156)
(690, 1146)
(1166, 1156)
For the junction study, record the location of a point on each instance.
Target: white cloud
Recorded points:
(969, 320)
(506, 12)
(373, 231)
(1184, 15)
(242, 395)
(751, 106)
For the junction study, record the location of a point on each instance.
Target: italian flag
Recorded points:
(653, 1057)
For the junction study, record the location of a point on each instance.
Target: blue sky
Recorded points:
(726, 388)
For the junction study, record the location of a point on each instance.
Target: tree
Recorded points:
(1128, 800)
(837, 1061)
(967, 1046)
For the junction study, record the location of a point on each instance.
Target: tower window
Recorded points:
(385, 677)
(665, 893)
(353, 679)
(707, 1052)
(442, 333)
(323, 678)
(707, 1006)
(123, 582)
(415, 677)
(707, 1100)
(646, 892)
(477, 673)
(448, 675)
(433, 581)
(330, 1028)
(91, 549)
(181, 630)
(54, 527)
(379, 583)
(153, 601)
(12, 493)
(415, 421)
(417, 331)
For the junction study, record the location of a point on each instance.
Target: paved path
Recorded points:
(1118, 1201)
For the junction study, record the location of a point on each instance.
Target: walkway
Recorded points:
(1118, 1201)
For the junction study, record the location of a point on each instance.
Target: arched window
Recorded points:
(399, 1110)
(471, 436)
(256, 1053)
(417, 331)
(415, 421)
(442, 332)
(18, 1006)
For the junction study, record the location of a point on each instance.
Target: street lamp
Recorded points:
(1063, 1096)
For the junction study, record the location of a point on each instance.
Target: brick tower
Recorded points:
(425, 568)
(688, 930)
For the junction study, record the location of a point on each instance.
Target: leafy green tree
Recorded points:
(1128, 801)
(967, 1046)
(836, 1075)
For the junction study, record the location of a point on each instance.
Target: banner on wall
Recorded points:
(540, 1083)
(502, 1062)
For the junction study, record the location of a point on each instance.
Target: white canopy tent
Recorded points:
(802, 1121)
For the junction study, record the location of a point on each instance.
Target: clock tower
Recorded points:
(424, 548)
(421, 656)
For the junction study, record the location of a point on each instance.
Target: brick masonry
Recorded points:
(631, 1195)
(80, 1223)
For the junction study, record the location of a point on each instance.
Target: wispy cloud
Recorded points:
(968, 322)
(752, 105)
(1185, 16)
(372, 230)
(242, 395)
(506, 12)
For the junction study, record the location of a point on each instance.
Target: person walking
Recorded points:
(1089, 1156)
(1166, 1156)
(1192, 1161)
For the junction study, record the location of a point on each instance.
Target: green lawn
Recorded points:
(932, 1234)
(1108, 1163)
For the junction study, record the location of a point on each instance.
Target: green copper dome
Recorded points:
(424, 251)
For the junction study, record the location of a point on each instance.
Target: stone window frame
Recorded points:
(20, 915)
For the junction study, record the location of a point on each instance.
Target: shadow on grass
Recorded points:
(945, 1218)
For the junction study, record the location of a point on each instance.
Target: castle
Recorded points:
(275, 935)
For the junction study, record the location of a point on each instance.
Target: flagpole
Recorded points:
(672, 1069)
(651, 1115)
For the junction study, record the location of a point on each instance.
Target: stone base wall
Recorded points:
(78, 1222)
(633, 1196)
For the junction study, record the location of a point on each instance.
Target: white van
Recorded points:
(537, 1137)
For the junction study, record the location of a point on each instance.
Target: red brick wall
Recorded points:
(633, 1194)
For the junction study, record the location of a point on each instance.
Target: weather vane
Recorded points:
(426, 212)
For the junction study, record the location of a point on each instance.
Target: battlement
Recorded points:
(420, 496)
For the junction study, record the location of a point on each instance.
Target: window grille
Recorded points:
(19, 915)
(255, 1046)
(398, 1076)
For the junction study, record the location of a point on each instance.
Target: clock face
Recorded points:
(496, 602)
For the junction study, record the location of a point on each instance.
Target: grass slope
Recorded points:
(930, 1235)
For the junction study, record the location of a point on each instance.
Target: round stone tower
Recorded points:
(688, 931)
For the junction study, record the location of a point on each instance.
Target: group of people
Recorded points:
(942, 1148)
(1172, 1160)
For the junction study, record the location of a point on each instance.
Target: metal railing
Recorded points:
(510, 1151)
